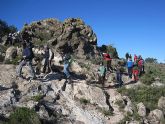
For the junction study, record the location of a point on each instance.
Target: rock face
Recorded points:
(72, 35)
(54, 100)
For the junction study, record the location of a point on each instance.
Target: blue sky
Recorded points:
(134, 26)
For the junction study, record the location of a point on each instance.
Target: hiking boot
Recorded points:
(33, 78)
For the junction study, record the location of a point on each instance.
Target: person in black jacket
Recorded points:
(26, 59)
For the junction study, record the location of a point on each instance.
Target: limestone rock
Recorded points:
(11, 53)
(156, 117)
(6, 98)
(161, 103)
(141, 109)
(72, 35)
(129, 105)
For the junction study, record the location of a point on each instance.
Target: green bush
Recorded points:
(37, 97)
(15, 61)
(24, 116)
(148, 95)
(84, 101)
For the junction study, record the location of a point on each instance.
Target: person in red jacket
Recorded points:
(107, 61)
(135, 58)
(135, 73)
(140, 65)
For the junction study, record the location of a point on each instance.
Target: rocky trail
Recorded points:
(59, 93)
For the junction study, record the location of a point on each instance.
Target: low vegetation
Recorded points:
(24, 116)
(148, 95)
(121, 104)
(37, 98)
(84, 101)
(15, 61)
(153, 71)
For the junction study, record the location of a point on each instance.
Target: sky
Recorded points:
(134, 26)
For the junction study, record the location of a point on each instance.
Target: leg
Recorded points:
(19, 69)
(44, 66)
(66, 70)
(50, 66)
(32, 73)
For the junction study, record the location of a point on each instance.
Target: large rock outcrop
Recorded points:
(72, 35)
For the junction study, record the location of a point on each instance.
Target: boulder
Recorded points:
(129, 105)
(7, 98)
(7, 75)
(161, 103)
(11, 53)
(156, 117)
(141, 109)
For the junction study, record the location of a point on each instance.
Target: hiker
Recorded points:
(27, 59)
(9, 39)
(130, 56)
(127, 56)
(135, 72)
(135, 58)
(47, 61)
(67, 61)
(107, 61)
(119, 75)
(30, 45)
(102, 72)
(140, 65)
(129, 67)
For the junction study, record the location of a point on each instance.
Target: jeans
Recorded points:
(130, 72)
(29, 64)
(66, 70)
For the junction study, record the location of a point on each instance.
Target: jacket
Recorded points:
(129, 64)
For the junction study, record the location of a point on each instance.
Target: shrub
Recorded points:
(15, 61)
(84, 101)
(24, 116)
(37, 97)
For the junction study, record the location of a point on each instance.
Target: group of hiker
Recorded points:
(134, 68)
(12, 38)
(47, 55)
(106, 68)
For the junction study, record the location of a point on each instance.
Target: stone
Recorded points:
(161, 103)
(6, 98)
(11, 53)
(156, 117)
(129, 105)
(141, 109)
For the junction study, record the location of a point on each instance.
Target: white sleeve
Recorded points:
(50, 54)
